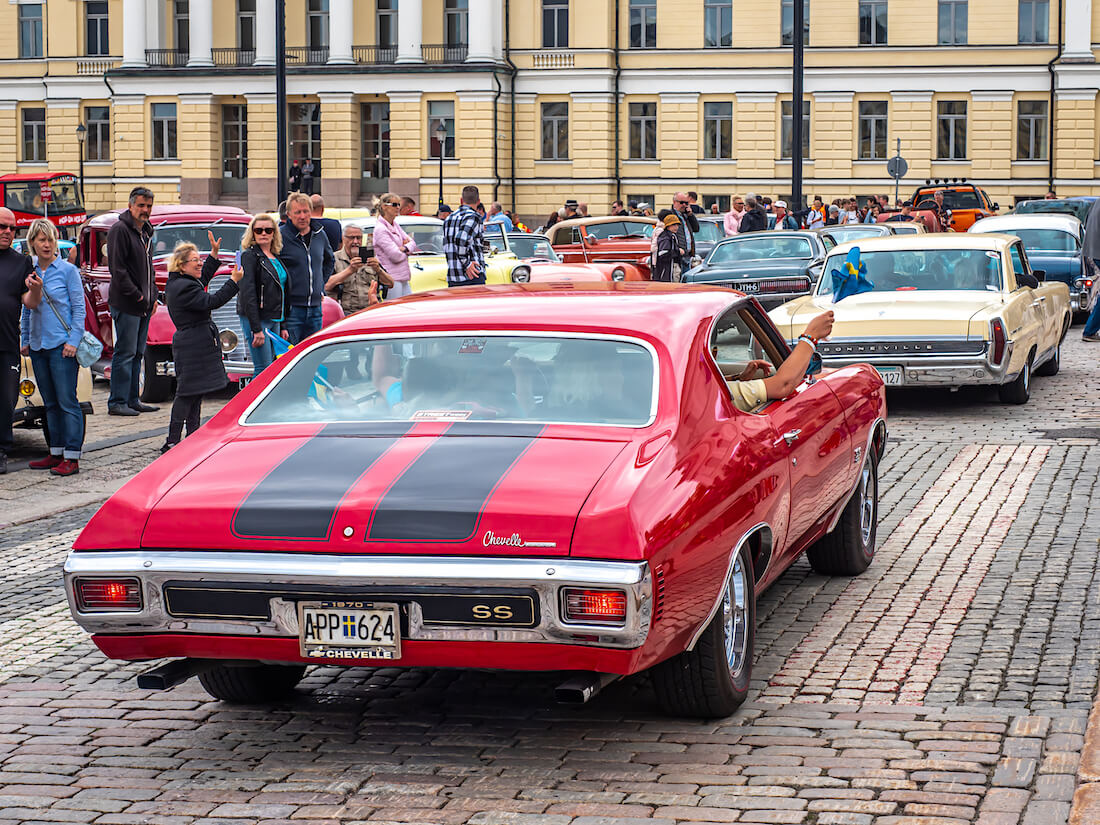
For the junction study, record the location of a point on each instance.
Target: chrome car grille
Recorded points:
(226, 317)
(914, 346)
(770, 286)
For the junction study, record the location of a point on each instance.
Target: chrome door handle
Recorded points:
(791, 436)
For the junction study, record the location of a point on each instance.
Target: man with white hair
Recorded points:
(754, 219)
(497, 216)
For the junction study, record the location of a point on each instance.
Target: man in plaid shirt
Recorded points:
(462, 239)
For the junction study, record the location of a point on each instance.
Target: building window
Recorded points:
(723, 202)
(317, 24)
(246, 26)
(555, 24)
(181, 25)
(643, 131)
(376, 140)
(235, 140)
(456, 22)
(97, 120)
(872, 129)
(718, 23)
(305, 134)
(872, 22)
(952, 22)
(1034, 21)
(643, 24)
(718, 131)
(951, 130)
(787, 22)
(1031, 130)
(555, 131)
(164, 131)
(34, 135)
(441, 110)
(387, 25)
(96, 41)
(30, 30)
(786, 128)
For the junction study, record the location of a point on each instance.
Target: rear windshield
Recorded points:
(710, 231)
(923, 269)
(540, 379)
(966, 199)
(855, 233)
(1045, 240)
(761, 247)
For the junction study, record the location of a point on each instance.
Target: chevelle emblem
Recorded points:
(491, 539)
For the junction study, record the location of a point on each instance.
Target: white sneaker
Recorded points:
(1094, 337)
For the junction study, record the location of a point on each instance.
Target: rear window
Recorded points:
(966, 199)
(462, 377)
(1045, 240)
(923, 269)
(759, 248)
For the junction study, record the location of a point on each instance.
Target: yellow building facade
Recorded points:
(543, 100)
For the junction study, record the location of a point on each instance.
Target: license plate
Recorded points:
(891, 376)
(349, 630)
(244, 382)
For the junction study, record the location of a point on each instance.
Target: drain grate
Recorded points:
(1072, 432)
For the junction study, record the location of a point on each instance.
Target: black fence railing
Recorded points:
(233, 57)
(374, 54)
(309, 55)
(436, 53)
(166, 58)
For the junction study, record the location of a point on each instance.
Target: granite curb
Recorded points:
(1086, 800)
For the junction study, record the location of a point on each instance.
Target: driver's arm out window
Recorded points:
(738, 338)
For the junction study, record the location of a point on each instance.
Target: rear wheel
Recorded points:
(850, 547)
(251, 684)
(712, 680)
(1019, 390)
(155, 387)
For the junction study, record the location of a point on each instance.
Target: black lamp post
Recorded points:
(441, 138)
(81, 133)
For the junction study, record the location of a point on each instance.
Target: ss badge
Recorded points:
(501, 612)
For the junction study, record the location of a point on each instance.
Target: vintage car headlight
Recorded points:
(26, 388)
(618, 274)
(521, 275)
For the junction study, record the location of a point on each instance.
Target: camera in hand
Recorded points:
(367, 252)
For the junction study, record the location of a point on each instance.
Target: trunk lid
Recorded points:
(872, 315)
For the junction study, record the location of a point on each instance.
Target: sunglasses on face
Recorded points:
(263, 230)
(394, 204)
(7, 227)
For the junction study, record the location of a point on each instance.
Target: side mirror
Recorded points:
(1040, 274)
(590, 240)
(814, 367)
(996, 206)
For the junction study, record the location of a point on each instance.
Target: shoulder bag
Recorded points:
(89, 349)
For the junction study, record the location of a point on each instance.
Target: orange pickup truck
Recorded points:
(964, 202)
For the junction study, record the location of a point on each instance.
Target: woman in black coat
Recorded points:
(195, 348)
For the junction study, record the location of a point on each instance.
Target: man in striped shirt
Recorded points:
(463, 236)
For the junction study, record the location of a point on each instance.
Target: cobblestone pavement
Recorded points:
(949, 684)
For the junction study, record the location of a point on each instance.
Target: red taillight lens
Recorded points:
(1088, 283)
(998, 340)
(108, 594)
(594, 606)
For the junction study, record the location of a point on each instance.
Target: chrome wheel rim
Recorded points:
(866, 507)
(735, 617)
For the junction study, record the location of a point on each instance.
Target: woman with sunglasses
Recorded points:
(392, 245)
(263, 299)
(195, 348)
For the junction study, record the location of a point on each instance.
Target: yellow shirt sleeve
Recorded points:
(748, 395)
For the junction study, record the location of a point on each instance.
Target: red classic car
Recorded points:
(520, 477)
(544, 264)
(615, 239)
(172, 225)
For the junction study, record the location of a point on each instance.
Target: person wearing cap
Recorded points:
(443, 211)
(570, 209)
(668, 247)
(783, 219)
(833, 217)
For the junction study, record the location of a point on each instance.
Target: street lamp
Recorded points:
(441, 138)
(81, 133)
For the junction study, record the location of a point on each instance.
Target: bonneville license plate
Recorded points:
(349, 630)
(891, 376)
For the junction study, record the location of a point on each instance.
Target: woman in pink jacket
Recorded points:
(392, 245)
(732, 220)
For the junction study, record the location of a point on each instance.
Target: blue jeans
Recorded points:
(56, 378)
(262, 357)
(302, 322)
(130, 334)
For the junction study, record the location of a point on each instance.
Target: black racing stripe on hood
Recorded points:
(441, 496)
(299, 498)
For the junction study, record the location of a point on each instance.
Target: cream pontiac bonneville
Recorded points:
(947, 309)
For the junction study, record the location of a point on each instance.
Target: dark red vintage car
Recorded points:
(616, 239)
(172, 225)
(522, 477)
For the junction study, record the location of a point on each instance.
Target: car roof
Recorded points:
(1039, 220)
(174, 213)
(930, 241)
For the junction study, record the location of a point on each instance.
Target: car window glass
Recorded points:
(167, 237)
(738, 338)
(575, 235)
(760, 248)
(601, 231)
(636, 228)
(907, 270)
(460, 377)
(952, 199)
(1018, 265)
(710, 231)
(532, 246)
(1046, 240)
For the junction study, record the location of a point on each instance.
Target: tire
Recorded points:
(155, 387)
(251, 684)
(83, 429)
(1052, 364)
(849, 549)
(712, 680)
(1019, 391)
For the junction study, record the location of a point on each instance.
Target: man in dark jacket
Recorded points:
(308, 259)
(689, 225)
(754, 220)
(132, 299)
(333, 230)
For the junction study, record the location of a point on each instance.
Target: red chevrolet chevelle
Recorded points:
(522, 477)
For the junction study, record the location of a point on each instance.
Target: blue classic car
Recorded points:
(1053, 245)
(1078, 207)
(773, 267)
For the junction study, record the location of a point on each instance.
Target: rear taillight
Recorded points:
(583, 606)
(107, 595)
(998, 329)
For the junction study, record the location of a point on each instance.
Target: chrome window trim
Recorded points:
(356, 338)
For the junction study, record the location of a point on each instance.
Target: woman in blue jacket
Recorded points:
(50, 334)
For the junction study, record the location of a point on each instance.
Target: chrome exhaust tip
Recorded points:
(583, 687)
(170, 674)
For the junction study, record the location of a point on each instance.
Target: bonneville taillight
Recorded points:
(584, 606)
(107, 595)
(997, 327)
